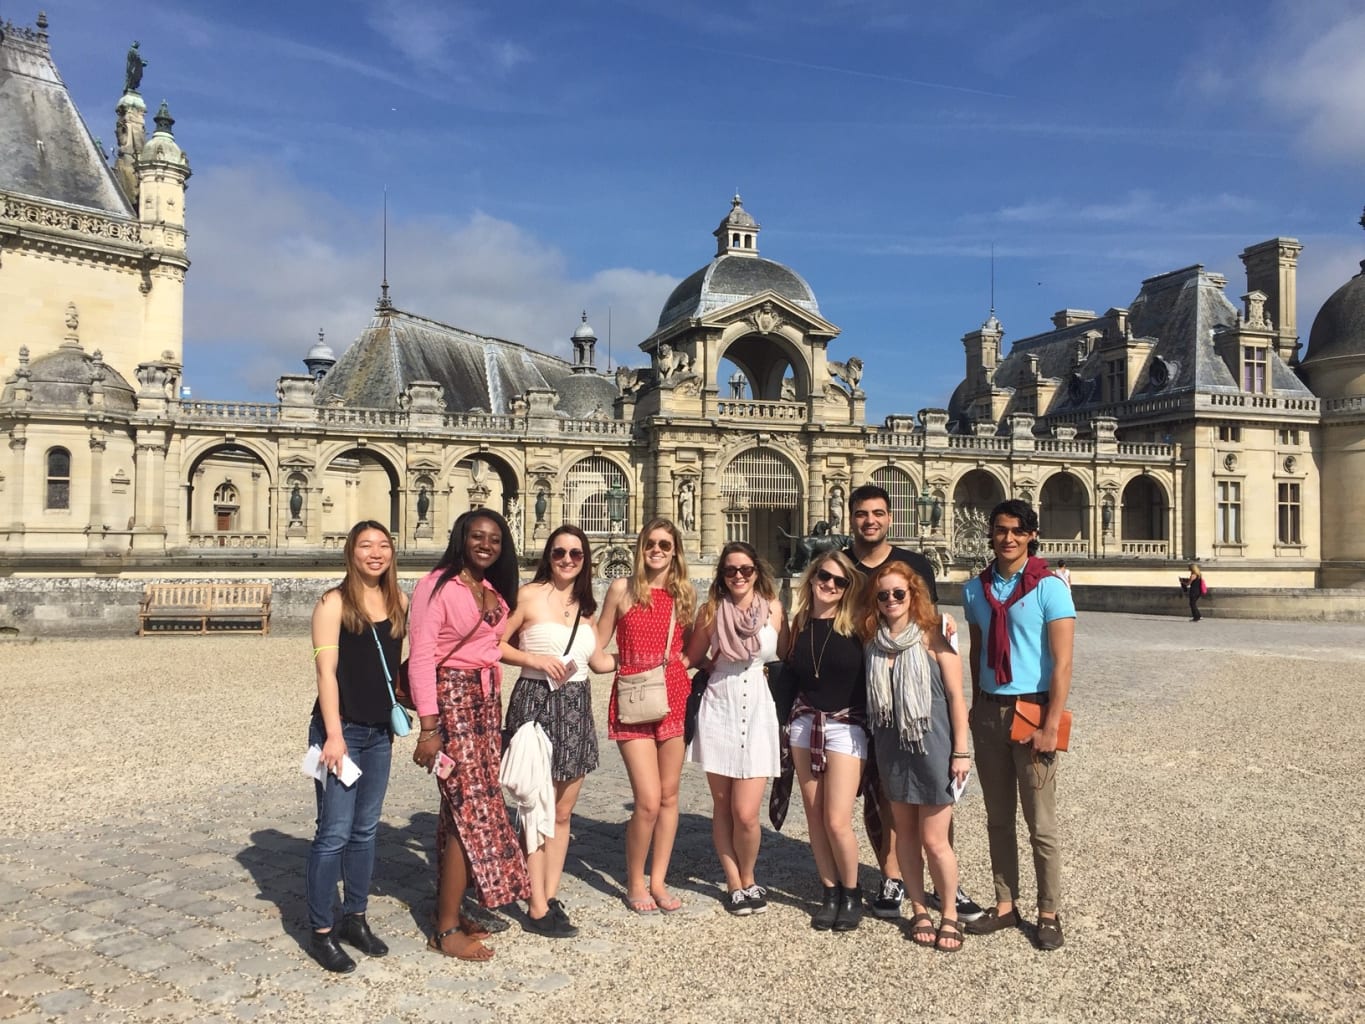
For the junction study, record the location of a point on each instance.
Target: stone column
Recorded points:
(712, 508)
(815, 497)
(97, 485)
(18, 446)
(149, 498)
(663, 492)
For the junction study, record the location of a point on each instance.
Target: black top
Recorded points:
(913, 559)
(361, 683)
(842, 683)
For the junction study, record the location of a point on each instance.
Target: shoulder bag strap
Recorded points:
(574, 632)
(668, 641)
(388, 678)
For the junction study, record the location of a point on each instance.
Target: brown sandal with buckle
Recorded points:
(469, 949)
(922, 931)
(952, 932)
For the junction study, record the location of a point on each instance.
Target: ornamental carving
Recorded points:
(766, 320)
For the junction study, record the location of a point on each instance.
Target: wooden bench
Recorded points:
(191, 607)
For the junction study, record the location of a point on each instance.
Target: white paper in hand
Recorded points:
(956, 789)
(312, 766)
(952, 640)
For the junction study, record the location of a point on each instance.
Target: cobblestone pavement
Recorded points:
(156, 829)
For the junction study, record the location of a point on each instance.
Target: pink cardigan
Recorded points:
(438, 627)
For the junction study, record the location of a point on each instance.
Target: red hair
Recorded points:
(922, 610)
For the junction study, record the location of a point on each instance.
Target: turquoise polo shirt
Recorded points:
(1030, 656)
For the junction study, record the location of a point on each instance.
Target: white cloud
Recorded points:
(446, 38)
(1323, 86)
(275, 261)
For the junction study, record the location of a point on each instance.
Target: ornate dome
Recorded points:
(1339, 327)
(162, 147)
(69, 378)
(730, 279)
(584, 396)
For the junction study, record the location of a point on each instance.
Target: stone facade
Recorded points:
(1173, 429)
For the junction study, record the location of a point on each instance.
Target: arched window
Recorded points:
(595, 495)
(897, 483)
(58, 479)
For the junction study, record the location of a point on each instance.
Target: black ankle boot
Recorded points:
(823, 919)
(850, 909)
(354, 930)
(323, 948)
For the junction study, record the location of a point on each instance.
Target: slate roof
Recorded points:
(477, 373)
(46, 150)
(61, 379)
(1339, 327)
(729, 279)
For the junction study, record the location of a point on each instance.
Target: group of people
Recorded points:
(879, 711)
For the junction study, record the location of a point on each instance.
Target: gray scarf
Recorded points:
(898, 679)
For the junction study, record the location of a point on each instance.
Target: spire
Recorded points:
(737, 234)
(384, 301)
(584, 342)
(163, 119)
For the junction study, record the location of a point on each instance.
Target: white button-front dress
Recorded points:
(737, 732)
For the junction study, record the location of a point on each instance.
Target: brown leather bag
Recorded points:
(1029, 718)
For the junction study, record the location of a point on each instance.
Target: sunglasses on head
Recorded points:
(828, 577)
(731, 571)
(572, 554)
(898, 594)
(663, 545)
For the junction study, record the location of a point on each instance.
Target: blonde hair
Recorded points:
(679, 587)
(1194, 570)
(845, 612)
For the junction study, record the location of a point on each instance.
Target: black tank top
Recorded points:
(360, 674)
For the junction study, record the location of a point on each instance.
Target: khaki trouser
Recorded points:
(1005, 768)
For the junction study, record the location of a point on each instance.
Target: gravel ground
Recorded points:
(1212, 765)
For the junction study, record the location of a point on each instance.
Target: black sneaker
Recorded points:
(554, 925)
(967, 908)
(567, 929)
(757, 896)
(490, 922)
(738, 903)
(889, 899)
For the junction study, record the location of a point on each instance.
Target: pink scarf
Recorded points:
(737, 631)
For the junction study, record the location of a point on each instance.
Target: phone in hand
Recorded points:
(443, 765)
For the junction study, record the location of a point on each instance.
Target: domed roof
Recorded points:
(321, 350)
(162, 147)
(586, 396)
(584, 331)
(738, 217)
(1339, 327)
(67, 378)
(729, 279)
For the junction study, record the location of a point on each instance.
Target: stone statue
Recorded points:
(132, 76)
(629, 379)
(295, 504)
(788, 389)
(423, 505)
(820, 540)
(850, 372)
(687, 506)
(672, 363)
(541, 505)
(836, 509)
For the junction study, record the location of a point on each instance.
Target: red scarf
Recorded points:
(998, 638)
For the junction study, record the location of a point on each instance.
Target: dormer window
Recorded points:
(1116, 380)
(1255, 369)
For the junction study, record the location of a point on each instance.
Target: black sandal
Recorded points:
(922, 931)
(952, 931)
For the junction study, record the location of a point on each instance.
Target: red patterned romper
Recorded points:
(640, 636)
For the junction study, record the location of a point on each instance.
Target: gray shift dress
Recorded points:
(910, 778)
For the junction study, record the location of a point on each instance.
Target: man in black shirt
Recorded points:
(869, 509)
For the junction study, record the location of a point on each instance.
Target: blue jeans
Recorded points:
(348, 819)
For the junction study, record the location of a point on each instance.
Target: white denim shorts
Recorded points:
(840, 737)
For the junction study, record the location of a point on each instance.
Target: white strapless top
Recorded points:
(767, 651)
(551, 638)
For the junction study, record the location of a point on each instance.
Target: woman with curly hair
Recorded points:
(649, 612)
(737, 742)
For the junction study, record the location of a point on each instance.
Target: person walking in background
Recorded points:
(1022, 626)
(459, 614)
(1195, 588)
(828, 730)
(919, 728)
(649, 612)
(555, 644)
(1062, 572)
(358, 629)
(869, 508)
(741, 627)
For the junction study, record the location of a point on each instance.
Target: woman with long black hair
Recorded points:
(459, 615)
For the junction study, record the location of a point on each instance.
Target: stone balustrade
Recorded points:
(230, 539)
(770, 412)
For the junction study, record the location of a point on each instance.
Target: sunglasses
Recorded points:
(1006, 531)
(890, 595)
(572, 554)
(828, 577)
(731, 571)
(663, 545)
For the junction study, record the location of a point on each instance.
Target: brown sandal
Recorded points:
(922, 931)
(952, 931)
(473, 949)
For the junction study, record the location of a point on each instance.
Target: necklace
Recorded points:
(817, 662)
(568, 606)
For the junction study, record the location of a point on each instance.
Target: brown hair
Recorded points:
(718, 592)
(679, 587)
(582, 583)
(922, 611)
(352, 590)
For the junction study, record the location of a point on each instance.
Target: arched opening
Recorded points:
(904, 514)
(760, 498)
(57, 493)
(228, 501)
(358, 484)
(1144, 516)
(596, 496)
(979, 492)
(762, 365)
(484, 480)
(973, 498)
(1063, 515)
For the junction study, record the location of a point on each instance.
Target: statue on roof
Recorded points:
(132, 77)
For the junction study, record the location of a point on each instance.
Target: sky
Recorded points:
(546, 158)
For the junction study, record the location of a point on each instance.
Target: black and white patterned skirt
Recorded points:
(566, 716)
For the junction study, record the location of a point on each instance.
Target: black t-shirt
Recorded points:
(842, 683)
(913, 559)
